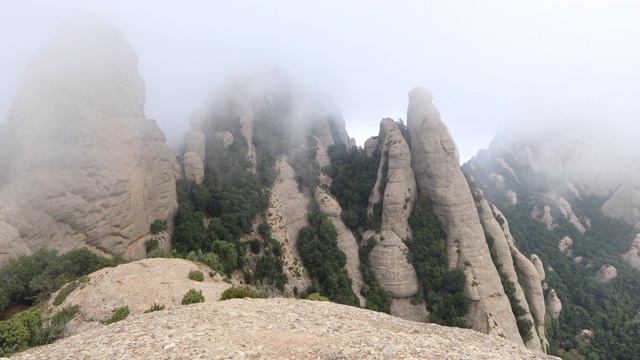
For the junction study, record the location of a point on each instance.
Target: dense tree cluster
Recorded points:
(354, 176)
(325, 261)
(30, 279)
(442, 289)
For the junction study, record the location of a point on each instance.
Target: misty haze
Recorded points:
(445, 180)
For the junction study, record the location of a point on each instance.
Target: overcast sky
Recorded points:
(487, 62)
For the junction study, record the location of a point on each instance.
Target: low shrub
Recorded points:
(62, 295)
(158, 225)
(317, 297)
(192, 297)
(120, 313)
(196, 275)
(239, 292)
(154, 307)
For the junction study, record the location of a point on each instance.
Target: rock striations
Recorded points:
(396, 197)
(88, 169)
(436, 165)
(276, 328)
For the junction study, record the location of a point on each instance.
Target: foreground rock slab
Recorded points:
(277, 328)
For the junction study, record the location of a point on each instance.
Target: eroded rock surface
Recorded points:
(436, 165)
(553, 304)
(10, 245)
(606, 273)
(89, 169)
(138, 285)
(277, 328)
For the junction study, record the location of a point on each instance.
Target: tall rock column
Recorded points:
(436, 165)
(388, 258)
(89, 169)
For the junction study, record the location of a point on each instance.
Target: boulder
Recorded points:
(606, 273)
(564, 245)
(436, 164)
(89, 169)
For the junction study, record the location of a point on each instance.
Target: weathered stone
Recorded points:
(606, 273)
(564, 245)
(10, 244)
(194, 141)
(89, 170)
(370, 145)
(277, 328)
(539, 267)
(193, 167)
(346, 241)
(436, 165)
(225, 137)
(389, 261)
(530, 294)
(553, 304)
(287, 214)
(156, 281)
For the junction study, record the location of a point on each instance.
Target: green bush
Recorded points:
(21, 331)
(62, 295)
(196, 275)
(239, 292)
(154, 307)
(120, 313)
(151, 245)
(254, 245)
(158, 226)
(192, 297)
(317, 297)
(33, 278)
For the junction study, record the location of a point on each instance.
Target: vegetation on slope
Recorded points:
(608, 309)
(443, 289)
(325, 261)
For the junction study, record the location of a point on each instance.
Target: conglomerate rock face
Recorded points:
(88, 169)
(396, 197)
(436, 165)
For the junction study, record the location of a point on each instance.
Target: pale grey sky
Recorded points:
(487, 62)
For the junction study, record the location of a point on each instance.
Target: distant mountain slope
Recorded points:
(573, 201)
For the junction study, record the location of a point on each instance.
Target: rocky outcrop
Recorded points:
(436, 165)
(564, 245)
(89, 169)
(138, 285)
(277, 328)
(288, 214)
(606, 273)
(632, 257)
(553, 304)
(193, 167)
(530, 293)
(194, 154)
(396, 196)
(535, 260)
(10, 245)
(346, 241)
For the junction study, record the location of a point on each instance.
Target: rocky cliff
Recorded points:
(87, 168)
(572, 209)
(435, 162)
